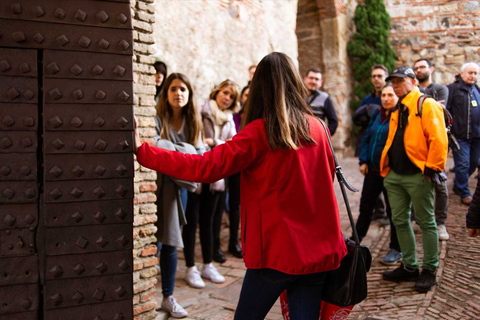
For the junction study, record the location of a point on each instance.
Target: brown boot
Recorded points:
(467, 200)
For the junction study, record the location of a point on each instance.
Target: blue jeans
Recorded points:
(262, 287)
(466, 162)
(168, 257)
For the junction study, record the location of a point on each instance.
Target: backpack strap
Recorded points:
(420, 102)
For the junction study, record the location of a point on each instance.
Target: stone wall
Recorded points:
(323, 30)
(447, 32)
(210, 41)
(145, 209)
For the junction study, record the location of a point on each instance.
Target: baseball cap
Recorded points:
(401, 72)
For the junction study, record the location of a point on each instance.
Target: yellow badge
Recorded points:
(474, 103)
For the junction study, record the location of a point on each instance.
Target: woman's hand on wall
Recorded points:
(137, 141)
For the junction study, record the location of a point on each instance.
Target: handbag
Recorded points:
(347, 285)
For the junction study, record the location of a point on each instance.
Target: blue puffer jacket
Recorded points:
(374, 140)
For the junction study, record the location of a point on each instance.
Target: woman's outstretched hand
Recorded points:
(137, 142)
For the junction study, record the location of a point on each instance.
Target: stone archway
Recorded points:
(322, 35)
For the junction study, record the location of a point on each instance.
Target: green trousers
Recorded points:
(403, 191)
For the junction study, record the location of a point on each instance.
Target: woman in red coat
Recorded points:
(289, 215)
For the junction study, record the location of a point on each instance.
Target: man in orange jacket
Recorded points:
(415, 151)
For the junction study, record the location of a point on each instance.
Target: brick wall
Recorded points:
(445, 31)
(144, 279)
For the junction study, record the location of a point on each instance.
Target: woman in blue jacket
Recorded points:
(370, 154)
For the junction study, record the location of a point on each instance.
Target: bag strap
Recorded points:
(343, 183)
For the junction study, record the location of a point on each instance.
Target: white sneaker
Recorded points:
(210, 272)
(442, 233)
(175, 310)
(193, 278)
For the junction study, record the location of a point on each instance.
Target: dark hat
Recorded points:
(401, 72)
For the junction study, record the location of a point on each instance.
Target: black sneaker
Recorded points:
(402, 273)
(426, 281)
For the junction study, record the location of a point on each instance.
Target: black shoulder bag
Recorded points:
(347, 285)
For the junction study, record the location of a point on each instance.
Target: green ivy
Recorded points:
(369, 45)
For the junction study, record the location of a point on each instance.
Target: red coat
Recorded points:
(289, 213)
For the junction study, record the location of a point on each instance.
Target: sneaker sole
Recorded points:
(193, 286)
(390, 263)
(213, 280)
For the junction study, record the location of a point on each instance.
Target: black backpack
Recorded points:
(447, 117)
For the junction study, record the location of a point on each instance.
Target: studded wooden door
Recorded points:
(66, 162)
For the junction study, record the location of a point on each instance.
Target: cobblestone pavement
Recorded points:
(457, 295)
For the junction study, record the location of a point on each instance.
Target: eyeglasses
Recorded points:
(420, 67)
(377, 76)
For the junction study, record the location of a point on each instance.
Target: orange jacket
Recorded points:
(425, 139)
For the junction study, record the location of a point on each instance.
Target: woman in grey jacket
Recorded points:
(178, 128)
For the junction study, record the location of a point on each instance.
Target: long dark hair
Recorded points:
(277, 94)
(165, 111)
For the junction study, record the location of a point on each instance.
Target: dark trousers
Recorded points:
(372, 187)
(218, 209)
(262, 287)
(200, 210)
(466, 162)
(233, 183)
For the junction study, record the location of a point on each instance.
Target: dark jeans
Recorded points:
(200, 210)
(372, 187)
(168, 258)
(262, 287)
(466, 162)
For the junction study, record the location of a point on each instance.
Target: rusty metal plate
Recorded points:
(89, 117)
(88, 265)
(67, 65)
(32, 34)
(88, 213)
(18, 270)
(18, 215)
(32, 315)
(18, 117)
(76, 292)
(18, 166)
(88, 190)
(87, 142)
(87, 91)
(90, 166)
(119, 310)
(18, 192)
(18, 89)
(98, 14)
(72, 240)
(18, 62)
(18, 142)
(17, 242)
(19, 298)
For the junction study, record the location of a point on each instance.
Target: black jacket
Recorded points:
(473, 215)
(458, 104)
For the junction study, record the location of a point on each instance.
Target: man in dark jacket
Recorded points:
(320, 101)
(369, 103)
(464, 105)
(423, 72)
